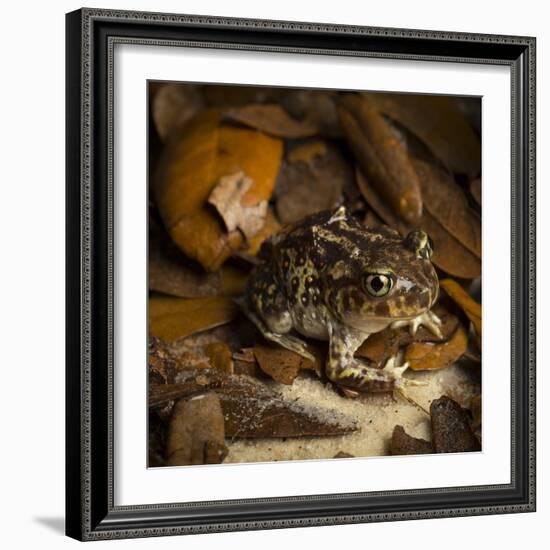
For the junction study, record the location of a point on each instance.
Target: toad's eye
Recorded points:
(378, 284)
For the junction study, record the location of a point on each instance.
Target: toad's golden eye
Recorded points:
(378, 284)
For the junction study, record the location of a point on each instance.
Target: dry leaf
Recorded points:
(173, 273)
(227, 197)
(449, 255)
(220, 356)
(270, 227)
(382, 156)
(282, 364)
(316, 106)
(448, 204)
(192, 165)
(174, 105)
(224, 95)
(233, 279)
(310, 180)
(196, 432)
(174, 318)
(251, 410)
(403, 444)
(470, 307)
(438, 121)
(271, 119)
(427, 356)
(451, 427)
(379, 347)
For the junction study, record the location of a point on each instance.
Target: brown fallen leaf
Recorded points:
(225, 95)
(380, 346)
(382, 156)
(403, 444)
(427, 356)
(174, 105)
(470, 307)
(282, 364)
(271, 119)
(316, 106)
(451, 427)
(438, 121)
(171, 272)
(193, 163)
(174, 318)
(251, 410)
(449, 255)
(245, 363)
(448, 204)
(227, 198)
(233, 279)
(164, 364)
(196, 432)
(310, 180)
(220, 356)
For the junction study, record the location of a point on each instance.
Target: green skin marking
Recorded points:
(330, 278)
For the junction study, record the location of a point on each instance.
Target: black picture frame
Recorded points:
(90, 512)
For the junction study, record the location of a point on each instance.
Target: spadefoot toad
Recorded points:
(331, 278)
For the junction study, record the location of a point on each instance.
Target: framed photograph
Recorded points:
(300, 274)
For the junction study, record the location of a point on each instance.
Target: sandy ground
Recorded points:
(375, 414)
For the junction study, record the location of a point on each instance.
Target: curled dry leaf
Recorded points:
(449, 254)
(193, 163)
(174, 105)
(228, 196)
(283, 365)
(403, 444)
(382, 156)
(448, 204)
(427, 356)
(310, 180)
(196, 432)
(381, 346)
(438, 121)
(451, 427)
(175, 318)
(470, 307)
(271, 119)
(252, 410)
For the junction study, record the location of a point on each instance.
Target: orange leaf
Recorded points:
(174, 318)
(195, 160)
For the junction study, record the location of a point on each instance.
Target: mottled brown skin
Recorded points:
(313, 280)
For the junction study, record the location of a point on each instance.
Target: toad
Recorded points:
(331, 278)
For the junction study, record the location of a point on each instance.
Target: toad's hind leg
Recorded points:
(266, 306)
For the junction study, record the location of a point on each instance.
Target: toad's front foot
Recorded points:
(427, 319)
